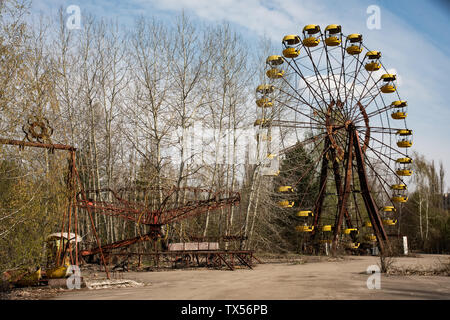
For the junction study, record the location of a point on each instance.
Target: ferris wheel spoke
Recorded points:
(368, 94)
(305, 142)
(319, 112)
(388, 193)
(329, 68)
(354, 76)
(309, 86)
(318, 75)
(380, 157)
(389, 147)
(296, 110)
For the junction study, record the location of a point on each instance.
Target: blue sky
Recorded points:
(413, 38)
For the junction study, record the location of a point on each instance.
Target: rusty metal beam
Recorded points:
(369, 202)
(323, 187)
(339, 190)
(346, 191)
(37, 145)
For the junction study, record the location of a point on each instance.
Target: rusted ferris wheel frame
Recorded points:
(336, 101)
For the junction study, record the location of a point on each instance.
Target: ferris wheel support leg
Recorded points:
(338, 182)
(369, 202)
(323, 187)
(346, 192)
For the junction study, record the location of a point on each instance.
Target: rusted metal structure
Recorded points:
(38, 132)
(154, 212)
(164, 208)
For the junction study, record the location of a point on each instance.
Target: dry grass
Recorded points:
(440, 269)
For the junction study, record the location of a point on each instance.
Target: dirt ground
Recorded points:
(322, 278)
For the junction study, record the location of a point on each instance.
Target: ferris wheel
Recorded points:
(338, 102)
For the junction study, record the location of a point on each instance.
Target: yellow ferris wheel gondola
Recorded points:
(389, 87)
(305, 213)
(399, 112)
(274, 61)
(290, 43)
(404, 138)
(390, 222)
(333, 35)
(399, 199)
(264, 89)
(350, 230)
(286, 204)
(355, 40)
(399, 187)
(310, 38)
(304, 228)
(262, 92)
(285, 189)
(404, 166)
(388, 209)
(374, 61)
(404, 172)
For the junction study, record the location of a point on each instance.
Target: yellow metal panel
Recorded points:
(353, 50)
(327, 228)
(304, 228)
(264, 103)
(400, 199)
(285, 189)
(311, 28)
(373, 54)
(387, 88)
(291, 52)
(333, 28)
(355, 37)
(274, 60)
(404, 160)
(404, 172)
(399, 103)
(305, 213)
(399, 187)
(57, 272)
(349, 230)
(332, 41)
(286, 204)
(264, 88)
(311, 42)
(291, 39)
(388, 77)
(372, 66)
(390, 222)
(404, 132)
(399, 115)
(404, 144)
(275, 73)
